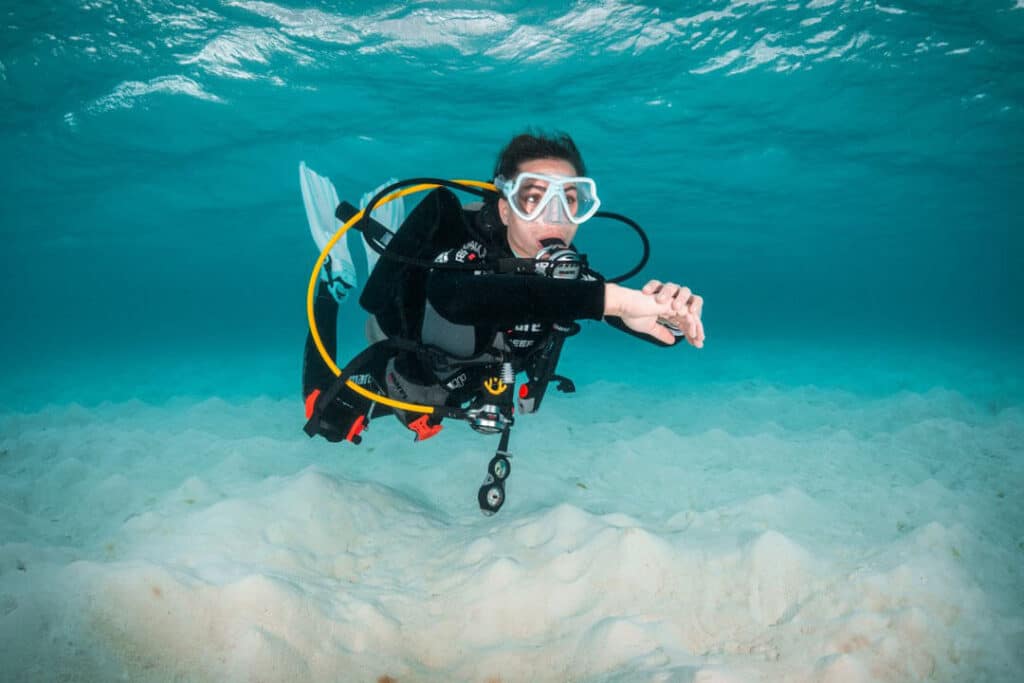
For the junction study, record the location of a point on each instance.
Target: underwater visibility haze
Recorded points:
(828, 491)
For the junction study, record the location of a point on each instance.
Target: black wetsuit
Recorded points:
(523, 306)
(469, 313)
(471, 320)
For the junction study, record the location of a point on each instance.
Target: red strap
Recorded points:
(311, 402)
(424, 430)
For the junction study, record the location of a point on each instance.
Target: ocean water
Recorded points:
(828, 491)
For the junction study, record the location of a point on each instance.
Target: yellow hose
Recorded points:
(311, 293)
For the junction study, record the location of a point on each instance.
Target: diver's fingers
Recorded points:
(668, 293)
(651, 287)
(682, 299)
(689, 325)
(698, 338)
(696, 305)
(664, 295)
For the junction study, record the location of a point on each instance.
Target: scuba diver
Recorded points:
(462, 299)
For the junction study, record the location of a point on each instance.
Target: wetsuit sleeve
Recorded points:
(486, 298)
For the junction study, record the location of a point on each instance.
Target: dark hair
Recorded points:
(536, 145)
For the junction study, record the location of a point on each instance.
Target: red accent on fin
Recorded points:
(357, 427)
(524, 390)
(311, 402)
(424, 430)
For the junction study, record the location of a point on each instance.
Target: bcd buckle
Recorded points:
(423, 428)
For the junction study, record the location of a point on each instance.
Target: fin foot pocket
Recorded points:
(341, 418)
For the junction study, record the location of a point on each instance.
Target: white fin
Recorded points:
(321, 200)
(390, 215)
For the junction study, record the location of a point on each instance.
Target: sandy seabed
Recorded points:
(736, 532)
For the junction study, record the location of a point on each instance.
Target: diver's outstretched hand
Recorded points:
(645, 310)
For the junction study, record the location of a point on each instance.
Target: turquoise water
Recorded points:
(822, 172)
(829, 490)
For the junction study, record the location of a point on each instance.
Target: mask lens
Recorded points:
(582, 199)
(531, 196)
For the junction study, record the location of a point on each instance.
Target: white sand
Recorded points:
(733, 532)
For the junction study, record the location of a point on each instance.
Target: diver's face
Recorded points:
(524, 237)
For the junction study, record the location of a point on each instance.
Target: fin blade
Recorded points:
(320, 199)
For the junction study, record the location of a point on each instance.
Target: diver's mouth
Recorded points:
(550, 236)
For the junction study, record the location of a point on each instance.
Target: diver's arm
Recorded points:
(482, 298)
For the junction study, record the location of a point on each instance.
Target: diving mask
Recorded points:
(533, 196)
